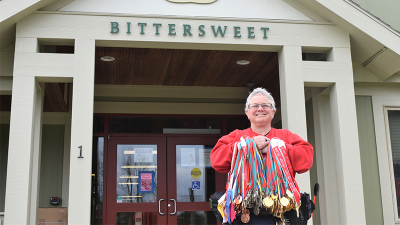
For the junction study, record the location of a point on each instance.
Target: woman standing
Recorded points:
(260, 110)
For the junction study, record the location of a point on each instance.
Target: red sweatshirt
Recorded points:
(299, 151)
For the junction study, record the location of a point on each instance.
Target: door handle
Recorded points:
(174, 206)
(159, 207)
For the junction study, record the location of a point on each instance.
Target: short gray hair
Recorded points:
(260, 91)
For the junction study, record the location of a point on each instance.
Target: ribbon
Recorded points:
(263, 175)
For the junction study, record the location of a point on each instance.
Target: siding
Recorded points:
(51, 169)
(369, 160)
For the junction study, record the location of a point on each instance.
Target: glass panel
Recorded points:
(195, 178)
(120, 124)
(394, 127)
(97, 180)
(98, 124)
(198, 218)
(4, 136)
(137, 218)
(136, 173)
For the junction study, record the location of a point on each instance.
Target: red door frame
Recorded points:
(220, 183)
(163, 143)
(112, 207)
(187, 206)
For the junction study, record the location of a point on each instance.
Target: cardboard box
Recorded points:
(57, 215)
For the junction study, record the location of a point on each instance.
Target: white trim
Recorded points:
(390, 156)
(387, 26)
(187, 17)
(379, 103)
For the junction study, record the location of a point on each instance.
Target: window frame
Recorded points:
(390, 157)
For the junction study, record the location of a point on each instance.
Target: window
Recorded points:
(393, 116)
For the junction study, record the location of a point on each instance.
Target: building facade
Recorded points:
(109, 110)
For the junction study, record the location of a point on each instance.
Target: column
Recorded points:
(37, 147)
(347, 154)
(20, 153)
(292, 99)
(325, 153)
(26, 101)
(81, 133)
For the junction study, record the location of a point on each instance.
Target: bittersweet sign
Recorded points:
(188, 30)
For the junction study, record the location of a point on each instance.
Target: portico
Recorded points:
(88, 31)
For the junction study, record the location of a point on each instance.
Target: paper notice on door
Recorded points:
(188, 157)
(204, 157)
(146, 181)
(143, 155)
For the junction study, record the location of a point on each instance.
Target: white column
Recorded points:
(347, 154)
(22, 143)
(20, 153)
(293, 107)
(37, 154)
(81, 133)
(325, 153)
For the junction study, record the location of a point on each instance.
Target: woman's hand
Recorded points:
(262, 143)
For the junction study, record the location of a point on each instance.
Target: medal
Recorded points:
(284, 201)
(237, 204)
(257, 180)
(256, 210)
(245, 216)
(268, 203)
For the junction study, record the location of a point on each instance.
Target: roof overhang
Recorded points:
(374, 46)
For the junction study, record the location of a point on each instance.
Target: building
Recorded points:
(82, 128)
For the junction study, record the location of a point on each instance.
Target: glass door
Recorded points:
(160, 180)
(191, 180)
(136, 181)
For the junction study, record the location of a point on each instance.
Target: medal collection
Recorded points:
(259, 182)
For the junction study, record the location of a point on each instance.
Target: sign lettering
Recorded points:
(187, 30)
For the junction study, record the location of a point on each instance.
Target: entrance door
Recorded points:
(160, 180)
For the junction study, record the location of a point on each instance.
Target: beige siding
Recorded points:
(369, 160)
(51, 171)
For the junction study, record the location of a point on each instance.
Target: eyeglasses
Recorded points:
(264, 106)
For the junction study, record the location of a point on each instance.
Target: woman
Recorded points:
(260, 110)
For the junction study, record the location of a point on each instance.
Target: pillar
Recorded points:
(24, 142)
(325, 153)
(350, 193)
(37, 154)
(81, 133)
(21, 150)
(292, 99)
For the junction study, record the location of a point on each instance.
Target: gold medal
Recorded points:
(245, 216)
(289, 193)
(268, 202)
(284, 201)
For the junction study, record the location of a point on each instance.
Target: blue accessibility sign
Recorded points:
(195, 185)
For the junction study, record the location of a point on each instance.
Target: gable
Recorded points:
(266, 9)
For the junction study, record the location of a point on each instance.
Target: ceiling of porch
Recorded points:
(173, 67)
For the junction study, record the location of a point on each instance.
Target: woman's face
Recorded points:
(260, 116)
